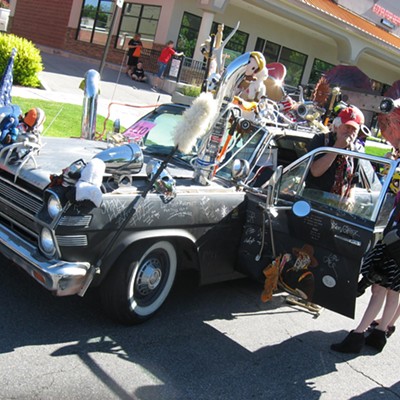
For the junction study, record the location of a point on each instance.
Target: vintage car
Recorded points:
(162, 210)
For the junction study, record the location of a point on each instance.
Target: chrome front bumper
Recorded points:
(62, 278)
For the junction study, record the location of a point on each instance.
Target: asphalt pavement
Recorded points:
(119, 96)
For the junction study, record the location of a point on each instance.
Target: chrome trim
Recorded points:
(62, 278)
(21, 189)
(16, 204)
(20, 226)
(72, 240)
(76, 220)
(348, 240)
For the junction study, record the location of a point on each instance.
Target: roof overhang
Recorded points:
(352, 34)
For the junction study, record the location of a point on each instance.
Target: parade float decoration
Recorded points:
(200, 188)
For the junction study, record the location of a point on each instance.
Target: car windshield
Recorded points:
(156, 129)
(155, 132)
(244, 146)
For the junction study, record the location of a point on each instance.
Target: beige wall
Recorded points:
(268, 27)
(260, 23)
(378, 69)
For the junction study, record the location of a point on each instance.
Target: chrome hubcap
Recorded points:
(149, 277)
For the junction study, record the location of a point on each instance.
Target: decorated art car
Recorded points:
(126, 218)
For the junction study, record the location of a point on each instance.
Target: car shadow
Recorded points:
(179, 346)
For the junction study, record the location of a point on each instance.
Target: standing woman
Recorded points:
(383, 263)
(166, 53)
(134, 50)
(382, 266)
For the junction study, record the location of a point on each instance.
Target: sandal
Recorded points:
(372, 326)
(390, 331)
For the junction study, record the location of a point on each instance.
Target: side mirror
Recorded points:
(240, 169)
(301, 208)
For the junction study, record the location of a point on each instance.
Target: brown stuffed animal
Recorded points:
(271, 273)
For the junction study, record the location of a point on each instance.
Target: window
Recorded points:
(95, 21)
(294, 61)
(318, 69)
(260, 44)
(137, 18)
(271, 52)
(236, 45)
(367, 184)
(188, 34)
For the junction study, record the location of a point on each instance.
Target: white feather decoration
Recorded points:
(195, 122)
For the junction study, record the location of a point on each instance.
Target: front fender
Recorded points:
(185, 238)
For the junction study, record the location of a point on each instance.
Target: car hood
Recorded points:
(57, 154)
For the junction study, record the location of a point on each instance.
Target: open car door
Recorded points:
(316, 239)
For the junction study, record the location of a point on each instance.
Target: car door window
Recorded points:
(367, 185)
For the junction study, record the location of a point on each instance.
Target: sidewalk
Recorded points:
(63, 74)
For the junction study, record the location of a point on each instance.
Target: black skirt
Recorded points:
(378, 263)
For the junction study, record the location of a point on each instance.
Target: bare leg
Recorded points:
(395, 317)
(373, 308)
(156, 81)
(390, 310)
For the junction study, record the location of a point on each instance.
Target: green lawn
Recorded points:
(62, 119)
(377, 148)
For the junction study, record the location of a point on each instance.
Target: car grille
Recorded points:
(19, 207)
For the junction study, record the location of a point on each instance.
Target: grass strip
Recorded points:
(65, 120)
(62, 119)
(376, 148)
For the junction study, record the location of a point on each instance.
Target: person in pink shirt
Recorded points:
(163, 60)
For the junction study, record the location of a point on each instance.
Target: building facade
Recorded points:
(308, 36)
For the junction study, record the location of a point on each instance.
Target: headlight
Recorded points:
(47, 242)
(54, 206)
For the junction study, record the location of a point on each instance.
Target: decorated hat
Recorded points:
(352, 116)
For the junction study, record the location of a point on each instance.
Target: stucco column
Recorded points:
(204, 33)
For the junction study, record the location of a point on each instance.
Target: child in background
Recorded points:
(138, 73)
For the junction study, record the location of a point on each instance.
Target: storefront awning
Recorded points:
(354, 20)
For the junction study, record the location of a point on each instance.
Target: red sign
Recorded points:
(382, 12)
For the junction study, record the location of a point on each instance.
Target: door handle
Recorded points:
(348, 240)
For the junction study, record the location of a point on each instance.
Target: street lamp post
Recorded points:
(119, 4)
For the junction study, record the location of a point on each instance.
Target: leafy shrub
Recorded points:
(27, 61)
(189, 90)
